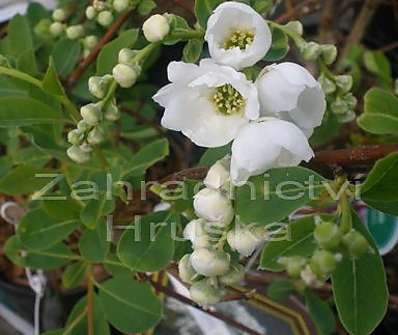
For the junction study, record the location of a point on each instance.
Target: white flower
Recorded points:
(78, 155)
(218, 174)
(244, 240)
(310, 278)
(156, 28)
(263, 145)
(204, 294)
(195, 231)
(289, 91)
(237, 35)
(209, 262)
(208, 103)
(213, 206)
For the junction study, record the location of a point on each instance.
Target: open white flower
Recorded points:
(268, 144)
(237, 35)
(289, 91)
(208, 103)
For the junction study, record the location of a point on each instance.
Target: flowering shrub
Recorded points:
(81, 138)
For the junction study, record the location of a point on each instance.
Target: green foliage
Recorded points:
(212, 155)
(204, 8)
(95, 209)
(66, 54)
(146, 7)
(74, 275)
(94, 244)
(280, 45)
(280, 290)
(378, 64)
(193, 50)
(321, 312)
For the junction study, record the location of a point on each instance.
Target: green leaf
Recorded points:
(39, 232)
(19, 36)
(55, 257)
(26, 62)
(321, 313)
(300, 242)
(193, 50)
(380, 189)
(178, 27)
(95, 209)
(280, 290)
(109, 54)
(153, 248)
(212, 155)
(203, 9)
(272, 197)
(93, 244)
(51, 82)
(377, 63)
(24, 111)
(129, 306)
(74, 275)
(66, 54)
(146, 7)
(360, 289)
(146, 157)
(101, 327)
(280, 45)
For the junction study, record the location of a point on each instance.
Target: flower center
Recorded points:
(240, 39)
(228, 100)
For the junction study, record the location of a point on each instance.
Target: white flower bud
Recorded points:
(75, 32)
(195, 231)
(218, 175)
(105, 18)
(57, 28)
(125, 75)
(209, 262)
(121, 5)
(244, 240)
(91, 41)
(205, 294)
(59, 15)
(156, 28)
(95, 136)
(112, 113)
(329, 53)
(344, 82)
(185, 270)
(310, 278)
(99, 5)
(295, 27)
(75, 137)
(98, 86)
(328, 86)
(311, 51)
(126, 56)
(91, 13)
(83, 126)
(85, 147)
(91, 114)
(235, 275)
(78, 155)
(212, 206)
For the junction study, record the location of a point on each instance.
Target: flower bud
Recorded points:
(356, 244)
(344, 82)
(295, 27)
(328, 235)
(195, 231)
(91, 114)
(4, 61)
(125, 75)
(112, 113)
(294, 265)
(329, 53)
(244, 240)
(75, 32)
(310, 278)
(205, 294)
(105, 18)
(212, 206)
(99, 5)
(210, 263)
(91, 13)
(121, 5)
(90, 42)
(42, 29)
(323, 263)
(85, 147)
(235, 275)
(98, 86)
(95, 136)
(185, 270)
(77, 155)
(59, 15)
(350, 100)
(328, 86)
(83, 126)
(311, 51)
(126, 56)
(57, 29)
(75, 137)
(218, 175)
(156, 28)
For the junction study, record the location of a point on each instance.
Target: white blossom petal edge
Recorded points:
(290, 92)
(237, 35)
(263, 145)
(208, 103)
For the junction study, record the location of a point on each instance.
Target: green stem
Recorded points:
(90, 302)
(189, 35)
(145, 52)
(101, 157)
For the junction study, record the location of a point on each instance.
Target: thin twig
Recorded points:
(112, 31)
(90, 303)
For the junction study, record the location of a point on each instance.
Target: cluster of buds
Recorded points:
(312, 51)
(127, 71)
(333, 245)
(217, 240)
(340, 99)
(103, 11)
